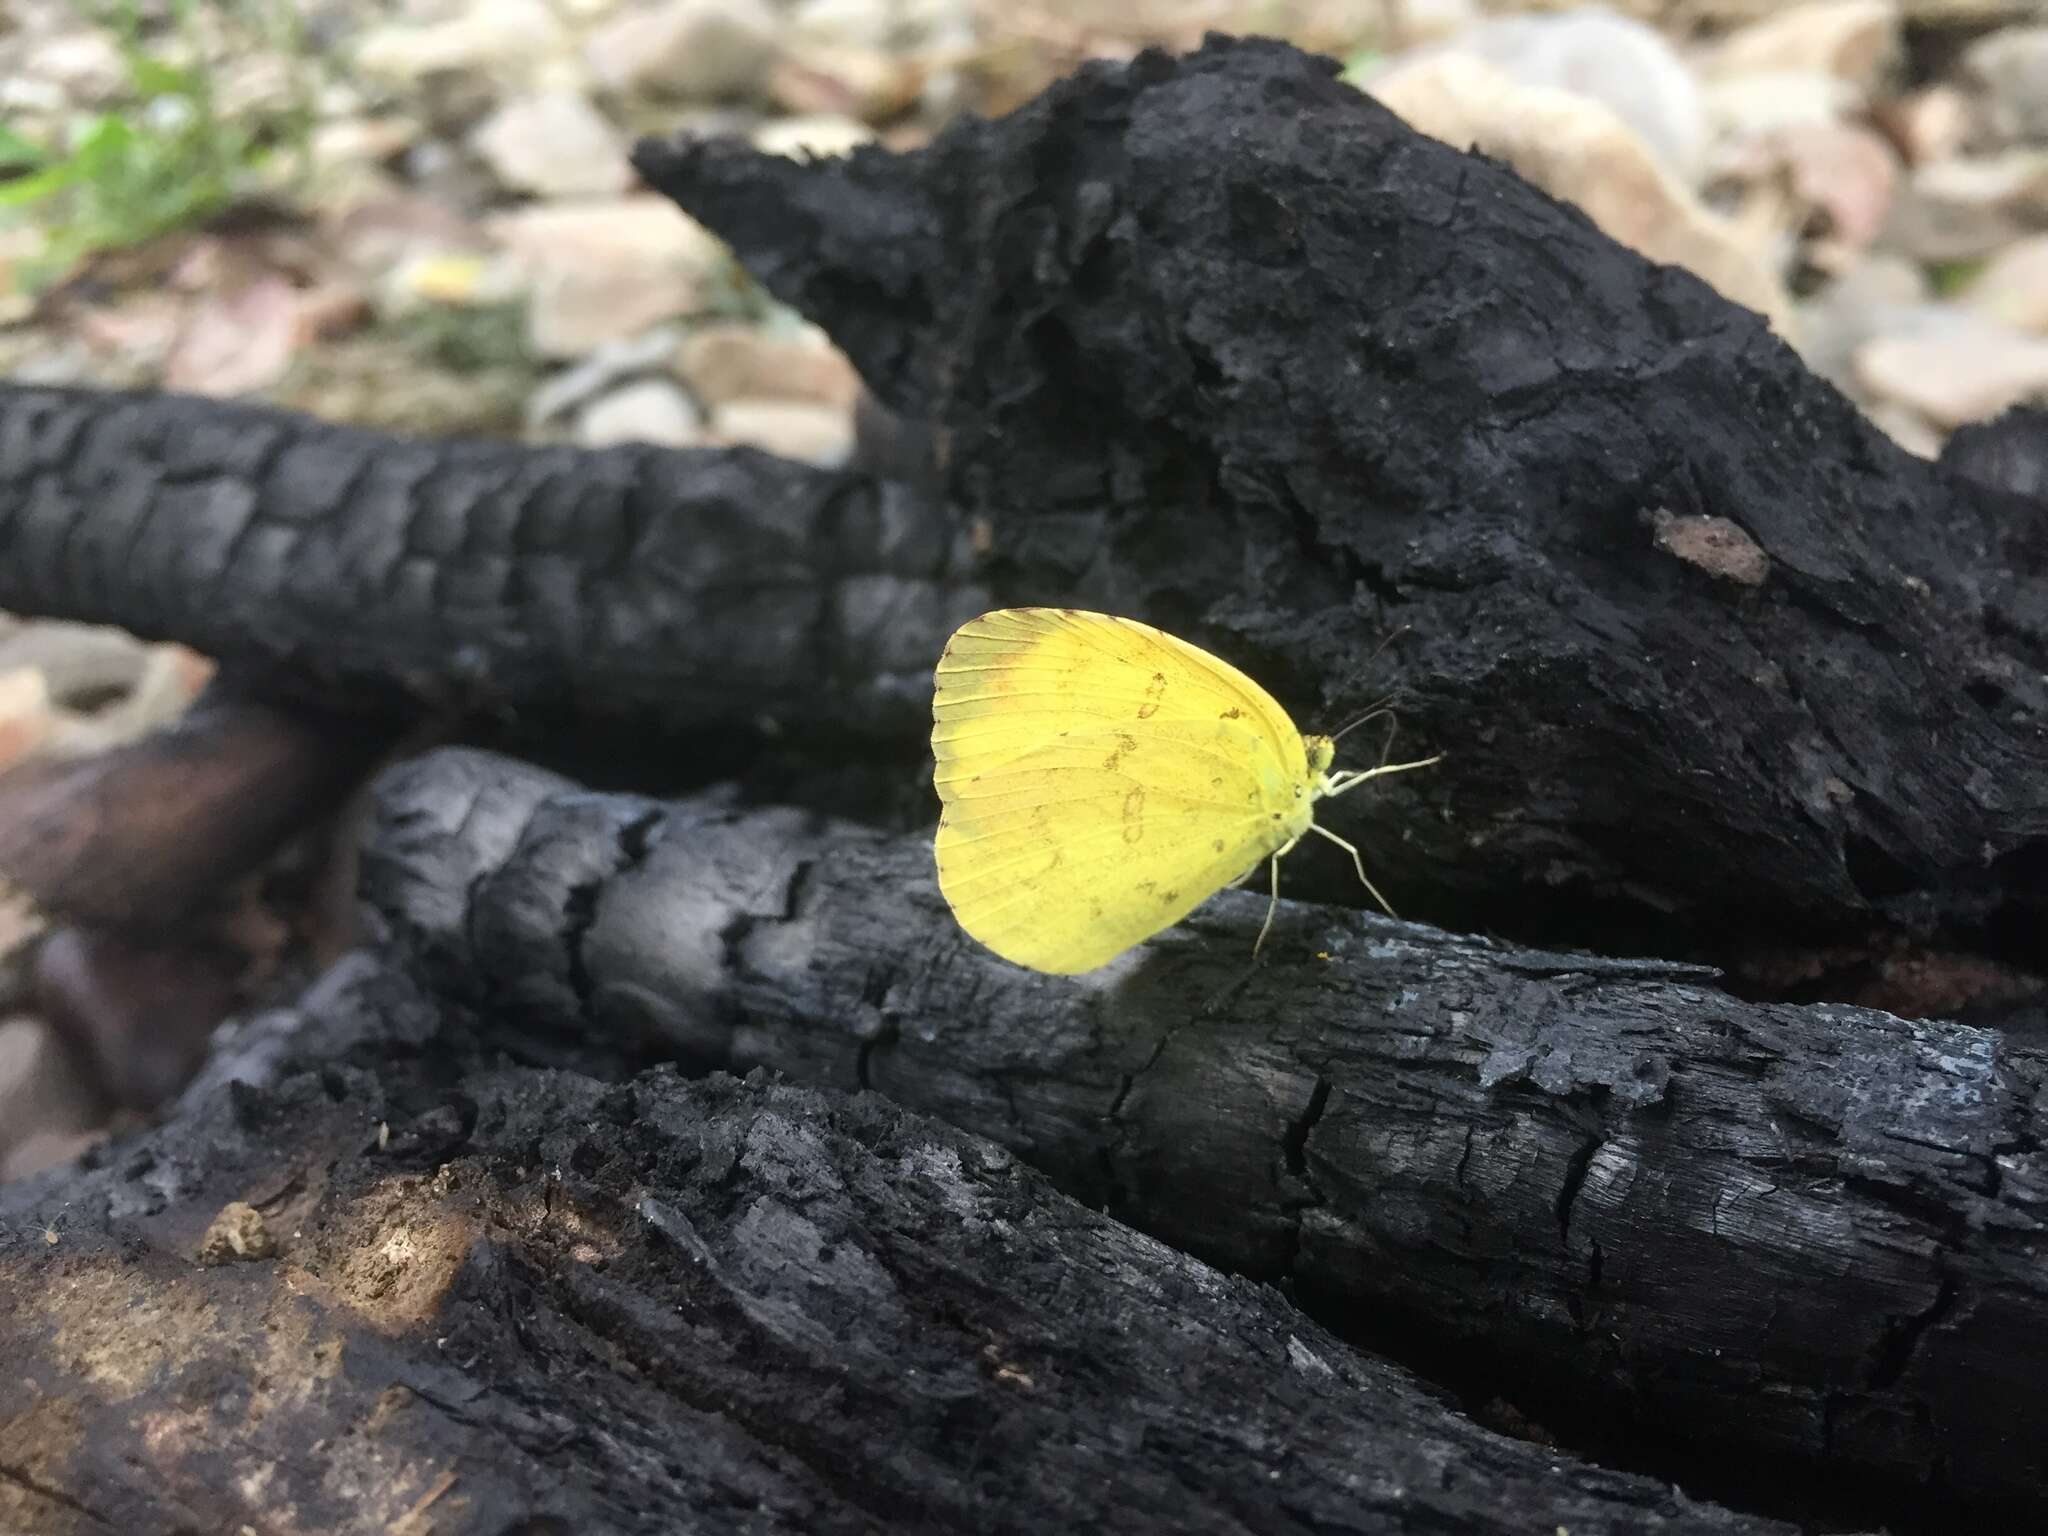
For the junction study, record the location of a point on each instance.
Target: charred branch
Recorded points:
(432, 1293)
(1220, 342)
(662, 588)
(1781, 1237)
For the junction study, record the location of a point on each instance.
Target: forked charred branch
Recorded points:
(1637, 1207)
(1220, 342)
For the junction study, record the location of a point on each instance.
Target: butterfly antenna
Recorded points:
(1379, 706)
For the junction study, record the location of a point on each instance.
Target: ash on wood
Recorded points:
(403, 1292)
(1786, 1242)
(1221, 343)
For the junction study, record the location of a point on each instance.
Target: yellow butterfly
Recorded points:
(1101, 779)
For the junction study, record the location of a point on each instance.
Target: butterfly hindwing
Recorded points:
(1100, 780)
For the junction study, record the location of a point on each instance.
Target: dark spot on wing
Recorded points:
(1169, 898)
(1219, 845)
(1134, 814)
(1153, 690)
(1232, 713)
(1123, 744)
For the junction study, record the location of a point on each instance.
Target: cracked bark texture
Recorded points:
(1787, 1243)
(533, 1303)
(651, 586)
(1219, 342)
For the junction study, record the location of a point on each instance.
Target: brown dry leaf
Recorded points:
(238, 341)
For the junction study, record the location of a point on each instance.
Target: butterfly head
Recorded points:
(1322, 751)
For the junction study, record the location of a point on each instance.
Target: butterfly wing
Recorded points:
(1100, 780)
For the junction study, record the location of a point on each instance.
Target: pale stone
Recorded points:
(1416, 23)
(2012, 67)
(575, 310)
(504, 39)
(1844, 172)
(1873, 294)
(46, 1104)
(2013, 287)
(86, 66)
(859, 83)
(814, 137)
(653, 411)
(1929, 124)
(815, 434)
(1959, 209)
(557, 145)
(605, 270)
(611, 364)
(1964, 369)
(359, 140)
(692, 50)
(737, 362)
(1744, 108)
(1854, 41)
(1576, 148)
(1620, 63)
(25, 715)
(1906, 427)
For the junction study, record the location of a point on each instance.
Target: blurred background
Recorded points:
(419, 216)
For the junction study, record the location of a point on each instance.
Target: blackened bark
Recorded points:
(1804, 1241)
(1221, 343)
(662, 588)
(466, 1298)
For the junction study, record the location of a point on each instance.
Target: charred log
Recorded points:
(359, 570)
(1220, 342)
(1781, 1241)
(434, 1294)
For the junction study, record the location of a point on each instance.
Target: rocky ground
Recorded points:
(421, 217)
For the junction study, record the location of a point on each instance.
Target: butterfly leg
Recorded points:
(1356, 863)
(1274, 905)
(1338, 783)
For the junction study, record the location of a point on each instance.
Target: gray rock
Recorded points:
(816, 434)
(555, 145)
(1618, 62)
(1970, 206)
(1953, 367)
(692, 50)
(2013, 287)
(2012, 67)
(611, 364)
(652, 411)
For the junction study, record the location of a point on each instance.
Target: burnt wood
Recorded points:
(350, 568)
(1219, 342)
(1795, 1245)
(464, 1298)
